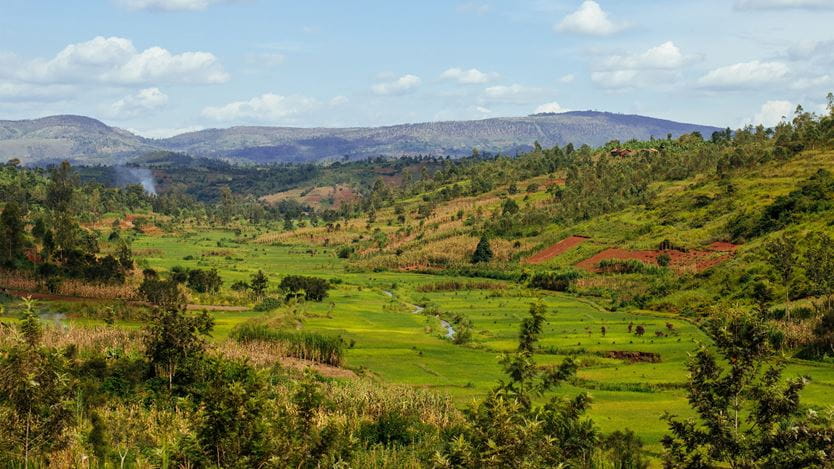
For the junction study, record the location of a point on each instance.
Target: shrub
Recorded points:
(268, 304)
(204, 281)
(314, 288)
(555, 281)
(345, 252)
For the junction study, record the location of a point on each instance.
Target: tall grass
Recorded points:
(311, 346)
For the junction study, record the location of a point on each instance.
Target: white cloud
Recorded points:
(569, 78)
(401, 85)
(267, 107)
(171, 5)
(590, 19)
(503, 91)
(553, 107)
(146, 100)
(339, 101)
(815, 82)
(114, 60)
(468, 77)
(483, 110)
(745, 74)
(771, 113)
(782, 4)
(657, 65)
(664, 56)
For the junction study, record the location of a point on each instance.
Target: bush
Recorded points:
(345, 252)
(268, 304)
(314, 288)
(555, 281)
(204, 281)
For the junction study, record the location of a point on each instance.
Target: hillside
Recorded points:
(89, 141)
(75, 138)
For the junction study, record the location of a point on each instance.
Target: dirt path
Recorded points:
(556, 249)
(79, 299)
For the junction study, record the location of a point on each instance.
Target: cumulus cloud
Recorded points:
(771, 113)
(171, 5)
(782, 4)
(664, 56)
(659, 64)
(401, 85)
(115, 60)
(468, 77)
(552, 107)
(589, 19)
(267, 107)
(146, 100)
(569, 78)
(745, 74)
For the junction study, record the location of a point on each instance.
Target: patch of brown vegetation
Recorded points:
(556, 249)
(266, 354)
(634, 356)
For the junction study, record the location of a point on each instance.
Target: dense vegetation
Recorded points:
(206, 327)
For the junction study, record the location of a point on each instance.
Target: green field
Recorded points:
(393, 344)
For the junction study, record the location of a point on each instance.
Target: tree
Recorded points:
(781, 254)
(818, 264)
(11, 233)
(483, 252)
(747, 415)
(258, 284)
(173, 339)
(165, 294)
(507, 429)
(36, 391)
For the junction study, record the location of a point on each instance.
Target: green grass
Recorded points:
(393, 345)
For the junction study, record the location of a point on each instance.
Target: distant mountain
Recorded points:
(75, 138)
(87, 140)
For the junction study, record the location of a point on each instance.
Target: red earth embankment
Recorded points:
(556, 249)
(691, 260)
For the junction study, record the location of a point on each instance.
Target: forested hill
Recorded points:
(86, 140)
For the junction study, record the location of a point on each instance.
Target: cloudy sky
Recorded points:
(159, 67)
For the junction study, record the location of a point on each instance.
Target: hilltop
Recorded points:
(89, 141)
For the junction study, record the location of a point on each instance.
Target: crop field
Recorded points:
(392, 321)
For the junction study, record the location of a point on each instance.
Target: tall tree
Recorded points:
(781, 254)
(11, 232)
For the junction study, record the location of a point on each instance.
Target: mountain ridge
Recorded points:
(90, 141)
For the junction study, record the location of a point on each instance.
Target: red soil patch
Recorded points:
(555, 182)
(556, 249)
(722, 246)
(691, 260)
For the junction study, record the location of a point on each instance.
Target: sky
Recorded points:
(161, 67)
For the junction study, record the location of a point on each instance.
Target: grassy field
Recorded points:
(391, 343)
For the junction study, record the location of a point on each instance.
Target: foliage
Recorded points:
(311, 288)
(748, 416)
(483, 251)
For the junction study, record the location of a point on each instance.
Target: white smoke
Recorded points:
(126, 175)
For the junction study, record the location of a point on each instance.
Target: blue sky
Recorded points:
(162, 66)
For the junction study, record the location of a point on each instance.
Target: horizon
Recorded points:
(159, 67)
(540, 114)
